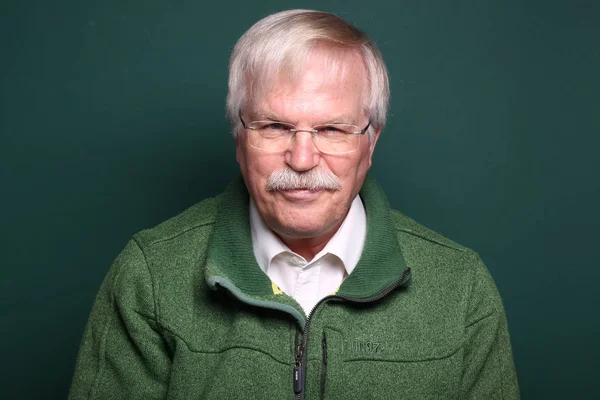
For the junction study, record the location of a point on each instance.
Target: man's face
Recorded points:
(320, 96)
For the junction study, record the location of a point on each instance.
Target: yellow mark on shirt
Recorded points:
(276, 289)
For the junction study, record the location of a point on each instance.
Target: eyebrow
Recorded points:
(266, 116)
(341, 119)
(263, 115)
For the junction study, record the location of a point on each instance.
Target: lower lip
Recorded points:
(300, 194)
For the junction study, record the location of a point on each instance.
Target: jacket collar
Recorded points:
(381, 264)
(231, 262)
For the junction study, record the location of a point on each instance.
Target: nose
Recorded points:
(302, 154)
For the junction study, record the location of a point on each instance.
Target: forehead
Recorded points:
(330, 79)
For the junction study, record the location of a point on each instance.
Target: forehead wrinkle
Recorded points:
(262, 112)
(259, 113)
(285, 99)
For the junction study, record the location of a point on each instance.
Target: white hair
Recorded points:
(313, 179)
(279, 44)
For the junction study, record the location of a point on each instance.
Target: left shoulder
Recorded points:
(408, 226)
(436, 258)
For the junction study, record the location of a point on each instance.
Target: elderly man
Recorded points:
(298, 281)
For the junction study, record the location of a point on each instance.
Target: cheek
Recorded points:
(256, 168)
(350, 168)
(352, 172)
(261, 166)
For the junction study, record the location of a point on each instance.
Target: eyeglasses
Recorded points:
(274, 136)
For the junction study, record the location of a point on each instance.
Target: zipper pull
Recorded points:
(298, 379)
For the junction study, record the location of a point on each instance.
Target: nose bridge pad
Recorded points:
(311, 138)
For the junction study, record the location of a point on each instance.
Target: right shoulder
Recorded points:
(197, 221)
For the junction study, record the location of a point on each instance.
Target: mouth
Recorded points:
(300, 194)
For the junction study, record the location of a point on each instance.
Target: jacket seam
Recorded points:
(502, 368)
(469, 294)
(477, 259)
(102, 349)
(153, 282)
(493, 309)
(431, 358)
(219, 351)
(175, 235)
(490, 313)
(432, 240)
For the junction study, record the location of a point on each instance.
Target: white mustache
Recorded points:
(314, 179)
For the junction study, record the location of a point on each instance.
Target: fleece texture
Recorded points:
(185, 312)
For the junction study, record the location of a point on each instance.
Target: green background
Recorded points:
(112, 120)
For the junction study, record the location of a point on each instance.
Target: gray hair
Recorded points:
(278, 44)
(313, 179)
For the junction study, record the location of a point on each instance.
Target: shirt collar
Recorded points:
(346, 244)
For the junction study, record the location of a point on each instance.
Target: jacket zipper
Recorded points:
(301, 356)
(323, 366)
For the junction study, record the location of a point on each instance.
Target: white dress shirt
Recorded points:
(308, 282)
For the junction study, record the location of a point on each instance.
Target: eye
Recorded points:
(274, 130)
(276, 126)
(332, 130)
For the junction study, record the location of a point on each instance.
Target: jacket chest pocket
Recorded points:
(237, 372)
(246, 359)
(374, 368)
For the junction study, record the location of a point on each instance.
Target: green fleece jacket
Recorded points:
(185, 312)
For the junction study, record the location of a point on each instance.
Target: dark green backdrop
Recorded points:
(112, 120)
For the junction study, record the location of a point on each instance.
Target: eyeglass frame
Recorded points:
(294, 130)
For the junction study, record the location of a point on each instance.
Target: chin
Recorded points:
(301, 231)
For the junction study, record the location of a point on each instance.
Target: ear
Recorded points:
(372, 145)
(238, 147)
